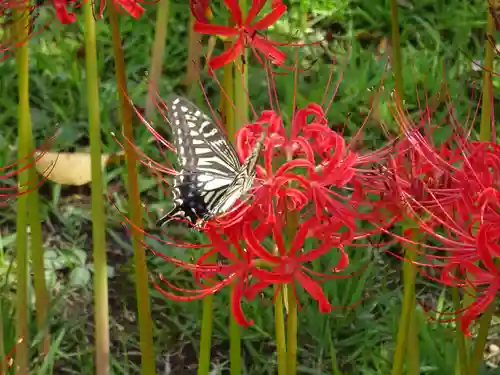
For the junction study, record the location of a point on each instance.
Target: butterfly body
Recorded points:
(211, 178)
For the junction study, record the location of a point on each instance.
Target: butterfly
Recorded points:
(211, 177)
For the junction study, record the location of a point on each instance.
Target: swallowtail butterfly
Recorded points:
(211, 178)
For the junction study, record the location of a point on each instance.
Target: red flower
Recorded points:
(451, 194)
(246, 31)
(317, 172)
(8, 174)
(200, 10)
(132, 7)
(310, 174)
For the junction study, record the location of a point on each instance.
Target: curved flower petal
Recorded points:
(227, 56)
(269, 19)
(207, 28)
(235, 10)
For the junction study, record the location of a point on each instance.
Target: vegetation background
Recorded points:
(440, 39)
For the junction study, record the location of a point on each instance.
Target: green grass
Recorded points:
(440, 40)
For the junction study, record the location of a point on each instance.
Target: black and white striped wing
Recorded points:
(208, 162)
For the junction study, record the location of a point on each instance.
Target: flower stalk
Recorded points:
(33, 209)
(279, 323)
(463, 354)
(101, 313)
(407, 330)
(24, 144)
(148, 364)
(206, 336)
(292, 220)
(157, 54)
(485, 136)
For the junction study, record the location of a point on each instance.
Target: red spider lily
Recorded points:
(12, 171)
(246, 32)
(201, 10)
(313, 162)
(26, 17)
(311, 173)
(255, 268)
(64, 13)
(460, 215)
(132, 7)
(7, 362)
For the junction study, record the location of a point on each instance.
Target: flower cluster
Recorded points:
(245, 30)
(449, 191)
(22, 14)
(309, 200)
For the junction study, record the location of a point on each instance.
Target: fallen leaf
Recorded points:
(70, 168)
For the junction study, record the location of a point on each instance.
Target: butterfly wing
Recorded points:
(208, 161)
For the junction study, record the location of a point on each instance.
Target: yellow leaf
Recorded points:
(69, 168)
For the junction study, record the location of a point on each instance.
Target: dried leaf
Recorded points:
(70, 168)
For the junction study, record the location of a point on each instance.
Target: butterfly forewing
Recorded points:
(201, 144)
(208, 162)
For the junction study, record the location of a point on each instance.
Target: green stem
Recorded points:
(291, 331)
(37, 255)
(24, 145)
(234, 342)
(279, 322)
(193, 60)
(462, 353)
(226, 100)
(333, 352)
(101, 313)
(241, 101)
(148, 364)
(2, 333)
(486, 108)
(407, 330)
(157, 54)
(206, 336)
(207, 319)
(413, 351)
(396, 50)
(482, 336)
(406, 313)
(485, 136)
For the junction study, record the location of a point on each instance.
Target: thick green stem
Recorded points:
(193, 66)
(462, 353)
(333, 352)
(407, 330)
(206, 336)
(157, 55)
(234, 342)
(292, 222)
(37, 256)
(2, 333)
(396, 50)
(413, 350)
(406, 314)
(486, 108)
(207, 319)
(241, 101)
(101, 313)
(291, 333)
(485, 136)
(24, 145)
(226, 101)
(279, 323)
(482, 336)
(148, 364)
